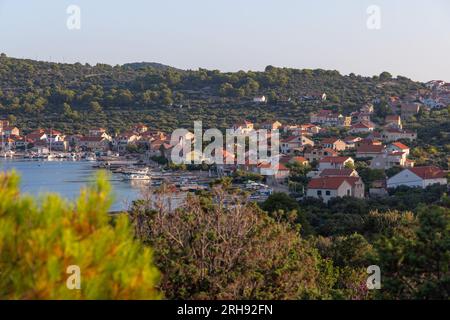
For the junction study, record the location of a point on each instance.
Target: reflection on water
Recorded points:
(67, 178)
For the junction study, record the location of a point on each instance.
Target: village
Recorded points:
(329, 161)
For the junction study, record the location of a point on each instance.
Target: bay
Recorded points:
(67, 178)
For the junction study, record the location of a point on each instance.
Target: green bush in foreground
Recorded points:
(39, 242)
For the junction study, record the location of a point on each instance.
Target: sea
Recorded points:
(67, 178)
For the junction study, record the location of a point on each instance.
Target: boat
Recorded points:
(134, 176)
(8, 153)
(134, 170)
(91, 157)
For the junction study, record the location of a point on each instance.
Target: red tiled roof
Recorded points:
(430, 172)
(400, 145)
(392, 118)
(299, 159)
(92, 139)
(329, 140)
(362, 125)
(289, 139)
(267, 165)
(335, 159)
(370, 148)
(332, 183)
(336, 172)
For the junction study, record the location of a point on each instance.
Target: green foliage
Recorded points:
(416, 266)
(39, 241)
(282, 206)
(120, 96)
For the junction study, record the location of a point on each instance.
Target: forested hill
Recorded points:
(72, 97)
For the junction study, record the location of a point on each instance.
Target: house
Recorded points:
(316, 154)
(310, 128)
(389, 159)
(334, 143)
(95, 132)
(124, 139)
(21, 143)
(368, 141)
(279, 173)
(393, 121)
(398, 146)
(339, 173)
(331, 119)
(394, 103)
(52, 138)
(243, 127)
(271, 125)
(294, 160)
(327, 188)
(367, 108)
(362, 127)
(335, 163)
(140, 128)
(369, 150)
(409, 110)
(36, 136)
(294, 143)
(11, 131)
(99, 132)
(435, 84)
(351, 142)
(155, 148)
(61, 145)
(361, 116)
(94, 144)
(390, 135)
(40, 147)
(314, 96)
(420, 177)
(260, 99)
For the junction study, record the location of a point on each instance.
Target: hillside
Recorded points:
(72, 97)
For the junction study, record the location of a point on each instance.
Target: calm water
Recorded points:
(67, 178)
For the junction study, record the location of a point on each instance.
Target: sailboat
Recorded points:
(50, 156)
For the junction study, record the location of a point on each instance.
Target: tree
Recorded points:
(416, 265)
(226, 90)
(38, 243)
(226, 252)
(12, 119)
(384, 76)
(95, 107)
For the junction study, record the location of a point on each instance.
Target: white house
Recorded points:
(327, 188)
(362, 127)
(260, 99)
(290, 144)
(418, 177)
(335, 163)
(398, 147)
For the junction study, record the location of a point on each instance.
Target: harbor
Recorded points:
(130, 177)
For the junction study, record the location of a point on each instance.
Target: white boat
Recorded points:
(91, 157)
(134, 170)
(134, 176)
(8, 153)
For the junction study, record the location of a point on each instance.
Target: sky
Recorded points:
(413, 38)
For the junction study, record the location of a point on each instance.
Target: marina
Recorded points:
(130, 179)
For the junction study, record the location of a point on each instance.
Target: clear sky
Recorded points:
(231, 35)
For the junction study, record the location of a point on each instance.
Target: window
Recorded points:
(328, 193)
(348, 192)
(319, 192)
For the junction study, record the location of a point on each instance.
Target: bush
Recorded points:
(39, 241)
